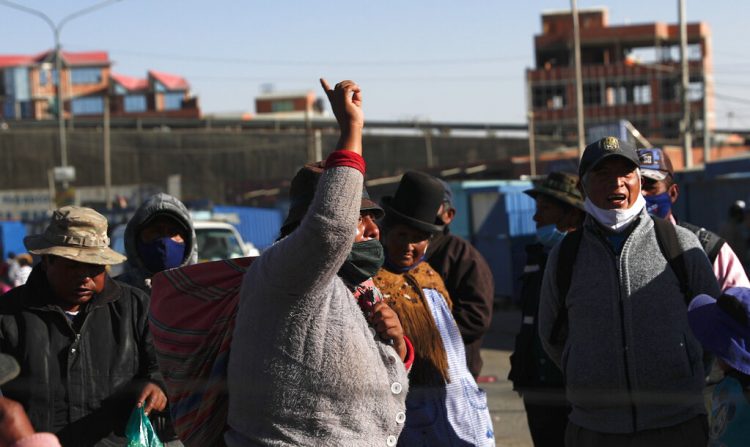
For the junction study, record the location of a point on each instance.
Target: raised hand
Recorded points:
(346, 103)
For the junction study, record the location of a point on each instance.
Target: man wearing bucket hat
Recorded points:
(661, 192)
(618, 329)
(559, 210)
(723, 327)
(81, 338)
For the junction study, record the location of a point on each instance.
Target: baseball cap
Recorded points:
(655, 163)
(607, 147)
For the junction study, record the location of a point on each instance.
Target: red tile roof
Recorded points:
(170, 81)
(130, 83)
(84, 58)
(15, 60)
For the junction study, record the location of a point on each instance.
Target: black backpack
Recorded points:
(666, 235)
(710, 241)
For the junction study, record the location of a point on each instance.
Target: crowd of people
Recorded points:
(362, 324)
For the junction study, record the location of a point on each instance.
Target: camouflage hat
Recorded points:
(561, 186)
(75, 233)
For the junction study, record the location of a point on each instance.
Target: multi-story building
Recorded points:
(29, 87)
(629, 72)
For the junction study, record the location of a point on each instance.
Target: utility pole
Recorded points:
(107, 156)
(530, 122)
(685, 128)
(579, 81)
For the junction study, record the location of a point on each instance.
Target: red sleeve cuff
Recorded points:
(346, 158)
(409, 360)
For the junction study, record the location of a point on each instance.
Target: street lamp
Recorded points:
(56, 29)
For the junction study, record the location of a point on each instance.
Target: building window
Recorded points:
(47, 77)
(173, 100)
(282, 106)
(642, 94)
(549, 97)
(135, 103)
(592, 94)
(88, 105)
(616, 95)
(85, 76)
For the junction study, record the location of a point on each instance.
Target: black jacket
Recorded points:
(91, 377)
(469, 282)
(531, 367)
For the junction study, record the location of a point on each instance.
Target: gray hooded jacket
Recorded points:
(136, 273)
(631, 362)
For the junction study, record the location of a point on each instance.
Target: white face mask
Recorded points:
(616, 220)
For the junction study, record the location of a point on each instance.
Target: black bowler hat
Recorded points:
(416, 202)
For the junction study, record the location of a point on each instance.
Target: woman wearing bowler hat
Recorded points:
(444, 405)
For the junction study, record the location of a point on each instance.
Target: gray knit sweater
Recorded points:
(631, 362)
(305, 368)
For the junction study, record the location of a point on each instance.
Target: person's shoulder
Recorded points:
(687, 238)
(129, 292)
(14, 300)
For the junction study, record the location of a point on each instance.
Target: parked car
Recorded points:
(216, 240)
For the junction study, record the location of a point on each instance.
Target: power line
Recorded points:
(276, 79)
(316, 63)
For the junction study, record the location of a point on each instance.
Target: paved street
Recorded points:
(506, 407)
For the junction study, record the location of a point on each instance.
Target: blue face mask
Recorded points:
(659, 205)
(549, 235)
(161, 254)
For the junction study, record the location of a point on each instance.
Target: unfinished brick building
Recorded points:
(629, 72)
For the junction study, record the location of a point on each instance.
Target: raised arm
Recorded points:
(311, 256)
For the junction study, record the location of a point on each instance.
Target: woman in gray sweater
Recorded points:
(307, 367)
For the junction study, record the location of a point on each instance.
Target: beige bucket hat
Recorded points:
(75, 233)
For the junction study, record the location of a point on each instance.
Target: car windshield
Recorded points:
(216, 243)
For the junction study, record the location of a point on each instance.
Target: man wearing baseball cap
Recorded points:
(619, 331)
(81, 338)
(661, 192)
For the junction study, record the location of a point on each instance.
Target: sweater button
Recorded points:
(391, 441)
(396, 388)
(400, 417)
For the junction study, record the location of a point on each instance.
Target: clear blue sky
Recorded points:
(437, 60)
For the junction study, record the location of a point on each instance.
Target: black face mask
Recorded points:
(364, 260)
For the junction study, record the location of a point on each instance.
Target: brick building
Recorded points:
(28, 89)
(290, 105)
(629, 72)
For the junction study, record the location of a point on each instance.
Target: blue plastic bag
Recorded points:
(140, 432)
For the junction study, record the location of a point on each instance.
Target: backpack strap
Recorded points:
(566, 258)
(666, 236)
(710, 241)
